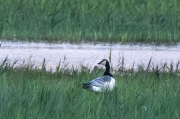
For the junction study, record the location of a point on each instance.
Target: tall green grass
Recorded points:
(29, 92)
(91, 20)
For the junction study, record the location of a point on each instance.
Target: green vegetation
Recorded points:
(29, 92)
(91, 20)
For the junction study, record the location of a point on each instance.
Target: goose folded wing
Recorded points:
(98, 82)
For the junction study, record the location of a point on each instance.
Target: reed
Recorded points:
(90, 20)
(30, 92)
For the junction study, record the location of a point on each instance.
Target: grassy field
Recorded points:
(147, 93)
(91, 20)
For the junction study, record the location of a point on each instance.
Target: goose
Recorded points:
(101, 84)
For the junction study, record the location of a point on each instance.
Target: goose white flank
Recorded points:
(101, 84)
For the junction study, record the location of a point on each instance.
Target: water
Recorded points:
(89, 53)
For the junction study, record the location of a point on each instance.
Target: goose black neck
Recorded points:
(107, 67)
(107, 72)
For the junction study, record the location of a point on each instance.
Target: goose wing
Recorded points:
(98, 82)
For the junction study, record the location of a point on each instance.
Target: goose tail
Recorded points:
(85, 85)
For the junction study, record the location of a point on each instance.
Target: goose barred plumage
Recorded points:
(101, 84)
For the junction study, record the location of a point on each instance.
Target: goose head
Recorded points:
(103, 62)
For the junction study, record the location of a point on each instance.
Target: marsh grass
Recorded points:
(147, 92)
(92, 20)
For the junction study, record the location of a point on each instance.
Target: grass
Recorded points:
(91, 20)
(145, 93)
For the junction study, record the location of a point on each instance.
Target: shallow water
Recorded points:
(88, 53)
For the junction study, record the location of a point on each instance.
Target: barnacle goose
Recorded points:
(101, 84)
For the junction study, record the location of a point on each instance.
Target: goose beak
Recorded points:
(100, 62)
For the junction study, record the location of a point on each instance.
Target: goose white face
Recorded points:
(103, 62)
